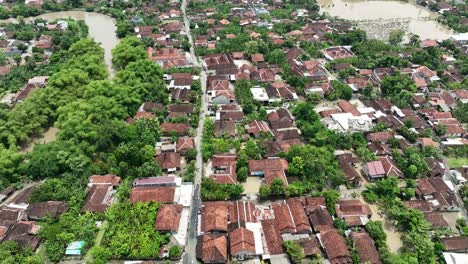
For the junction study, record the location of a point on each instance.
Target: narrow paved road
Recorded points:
(190, 247)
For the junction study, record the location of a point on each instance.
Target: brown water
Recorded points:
(101, 28)
(48, 136)
(388, 10)
(252, 185)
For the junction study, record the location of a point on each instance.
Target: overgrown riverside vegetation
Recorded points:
(90, 112)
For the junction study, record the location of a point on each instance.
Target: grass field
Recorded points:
(454, 162)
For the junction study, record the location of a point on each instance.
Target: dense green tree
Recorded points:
(130, 49)
(294, 251)
(331, 197)
(131, 232)
(210, 190)
(396, 36)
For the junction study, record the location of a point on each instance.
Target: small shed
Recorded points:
(74, 248)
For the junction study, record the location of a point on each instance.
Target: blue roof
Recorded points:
(74, 248)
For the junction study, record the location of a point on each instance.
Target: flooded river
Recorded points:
(101, 28)
(387, 11)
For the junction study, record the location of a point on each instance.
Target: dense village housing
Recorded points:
(233, 131)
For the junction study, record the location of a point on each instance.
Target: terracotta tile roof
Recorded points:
(335, 247)
(347, 107)
(152, 194)
(338, 53)
(257, 58)
(168, 218)
(214, 249)
(242, 212)
(436, 219)
(425, 187)
(461, 94)
(383, 136)
(98, 198)
(313, 202)
(181, 108)
(321, 219)
(37, 211)
(215, 217)
(168, 160)
(428, 142)
(241, 241)
(271, 175)
(390, 167)
(347, 208)
(365, 247)
(456, 244)
(150, 107)
(179, 128)
(185, 143)
(299, 215)
(109, 179)
(283, 216)
(268, 164)
(256, 127)
(420, 205)
(274, 242)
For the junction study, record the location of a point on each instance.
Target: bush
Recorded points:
(175, 252)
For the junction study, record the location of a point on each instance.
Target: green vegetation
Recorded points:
(10, 252)
(411, 163)
(212, 191)
(130, 232)
(294, 251)
(410, 222)
(316, 165)
(457, 162)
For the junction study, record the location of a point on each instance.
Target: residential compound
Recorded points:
(282, 137)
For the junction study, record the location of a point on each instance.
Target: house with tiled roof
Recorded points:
(164, 195)
(169, 161)
(214, 218)
(436, 220)
(40, 210)
(365, 247)
(390, 167)
(274, 242)
(354, 212)
(269, 168)
(213, 248)
(284, 220)
(224, 168)
(184, 144)
(312, 70)
(177, 128)
(242, 244)
(457, 244)
(438, 194)
(320, 219)
(338, 52)
(168, 218)
(335, 247)
(374, 170)
(100, 192)
(299, 216)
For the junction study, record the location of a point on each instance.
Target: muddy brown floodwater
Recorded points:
(48, 136)
(387, 10)
(101, 28)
